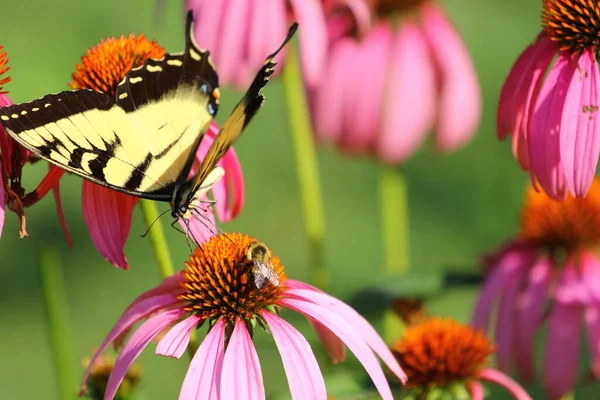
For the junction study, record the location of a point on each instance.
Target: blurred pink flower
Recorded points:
(550, 110)
(241, 33)
(226, 364)
(552, 262)
(383, 92)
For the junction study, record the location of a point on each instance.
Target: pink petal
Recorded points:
(59, 211)
(301, 368)
(572, 288)
(107, 214)
(132, 315)
(459, 111)
(361, 14)
(361, 116)
(350, 334)
(203, 378)
(136, 344)
(202, 229)
(495, 376)
(580, 126)
(174, 343)
(241, 377)
(510, 262)
(530, 313)
(475, 390)
(544, 139)
(562, 349)
(592, 323)
(332, 344)
(233, 40)
(362, 327)
(312, 39)
(590, 276)
(410, 99)
(2, 201)
(208, 23)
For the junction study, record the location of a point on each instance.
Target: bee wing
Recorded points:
(262, 273)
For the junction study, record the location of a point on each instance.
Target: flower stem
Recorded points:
(306, 166)
(157, 238)
(394, 220)
(57, 318)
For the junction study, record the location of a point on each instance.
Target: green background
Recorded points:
(461, 205)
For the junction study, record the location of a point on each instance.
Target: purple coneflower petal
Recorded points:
(592, 323)
(544, 142)
(229, 191)
(530, 313)
(174, 343)
(350, 335)
(132, 315)
(332, 344)
(459, 111)
(234, 37)
(59, 210)
(203, 378)
(107, 214)
(202, 229)
(495, 376)
(409, 109)
(580, 126)
(590, 276)
(301, 368)
(572, 288)
(135, 345)
(241, 377)
(562, 349)
(208, 21)
(312, 39)
(475, 390)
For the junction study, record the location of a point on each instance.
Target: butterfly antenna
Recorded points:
(219, 230)
(153, 222)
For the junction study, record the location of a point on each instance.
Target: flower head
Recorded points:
(551, 109)
(440, 353)
(101, 371)
(3, 70)
(216, 289)
(420, 79)
(549, 274)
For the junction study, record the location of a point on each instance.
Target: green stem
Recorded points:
(394, 220)
(157, 238)
(306, 166)
(56, 307)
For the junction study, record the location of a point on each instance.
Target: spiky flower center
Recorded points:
(440, 352)
(218, 280)
(574, 24)
(568, 225)
(3, 70)
(104, 66)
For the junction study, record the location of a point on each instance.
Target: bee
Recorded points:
(262, 268)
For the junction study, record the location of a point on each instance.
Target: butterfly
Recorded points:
(142, 141)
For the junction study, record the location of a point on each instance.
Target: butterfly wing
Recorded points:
(139, 142)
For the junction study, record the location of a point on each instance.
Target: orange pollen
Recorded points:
(439, 352)
(3, 69)
(574, 24)
(219, 283)
(569, 225)
(104, 66)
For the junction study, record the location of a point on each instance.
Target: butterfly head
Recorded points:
(187, 197)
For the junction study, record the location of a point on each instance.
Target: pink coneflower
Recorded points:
(552, 115)
(100, 373)
(216, 289)
(438, 355)
(549, 273)
(384, 88)
(240, 34)
(108, 213)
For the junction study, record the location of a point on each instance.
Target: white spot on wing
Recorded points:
(35, 109)
(176, 63)
(153, 68)
(15, 116)
(23, 112)
(123, 95)
(136, 79)
(4, 118)
(195, 55)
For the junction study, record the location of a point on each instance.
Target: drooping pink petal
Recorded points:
(174, 343)
(544, 142)
(590, 276)
(208, 22)
(233, 39)
(361, 14)
(135, 345)
(202, 228)
(459, 110)
(46, 184)
(312, 39)
(350, 335)
(2, 200)
(530, 313)
(572, 288)
(512, 260)
(361, 117)
(475, 390)
(495, 376)
(580, 126)
(107, 214)
(362, 327)
(561, 358)
(301, 368)
(592, 323)
(241, 377)
(332, 344)
(203, 378)
(409, 106)
(59, 211)
(131, 316)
